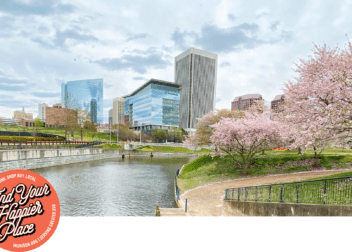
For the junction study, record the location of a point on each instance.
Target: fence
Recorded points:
(177, 189)
(334, 191)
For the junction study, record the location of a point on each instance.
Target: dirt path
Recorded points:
(208, 200)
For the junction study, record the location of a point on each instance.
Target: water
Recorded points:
(115, 187)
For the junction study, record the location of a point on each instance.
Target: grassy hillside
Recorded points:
(205, 169)
(87, 136)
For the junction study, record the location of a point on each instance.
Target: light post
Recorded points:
(117, 133)
(110, 132)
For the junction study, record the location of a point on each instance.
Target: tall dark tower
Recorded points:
(195, 72)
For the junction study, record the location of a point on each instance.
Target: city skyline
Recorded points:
(257, 44)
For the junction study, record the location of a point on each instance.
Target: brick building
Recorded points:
(275, 104)
(57, 116)
(245, 101)
(26, 123)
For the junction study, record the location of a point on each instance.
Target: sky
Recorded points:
(44, 43)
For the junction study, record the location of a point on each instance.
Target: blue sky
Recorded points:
(129, 42)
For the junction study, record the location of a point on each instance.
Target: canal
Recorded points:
(115, 187)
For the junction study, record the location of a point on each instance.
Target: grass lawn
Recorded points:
(87, 136)
(171, 149)
(205, 169)
(109, 146)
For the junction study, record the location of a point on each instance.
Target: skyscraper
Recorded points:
(110, 116)
(41, 111)
(195, 72)
(118, 112)
(84, 94)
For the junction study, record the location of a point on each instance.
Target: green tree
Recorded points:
(38, 123)
(159, 134)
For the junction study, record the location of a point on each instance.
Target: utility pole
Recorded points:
(110, 133)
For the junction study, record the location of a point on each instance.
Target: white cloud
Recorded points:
(256, 42)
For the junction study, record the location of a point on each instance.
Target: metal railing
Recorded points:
(333, 191)
(177, 189)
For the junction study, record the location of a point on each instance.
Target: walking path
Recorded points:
(208, 200)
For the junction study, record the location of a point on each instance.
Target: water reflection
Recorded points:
(114, 187)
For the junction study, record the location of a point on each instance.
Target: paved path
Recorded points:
(171, 212)
(208, 200)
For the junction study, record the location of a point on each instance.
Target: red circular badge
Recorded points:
(29, 210)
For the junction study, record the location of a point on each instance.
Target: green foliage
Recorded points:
(159, 134)
(89, 126)
(38, 123)
(111, 146)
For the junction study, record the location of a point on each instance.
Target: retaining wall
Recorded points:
(31, 159)
(283, 209)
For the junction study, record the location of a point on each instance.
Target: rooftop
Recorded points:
(248, 96)
(278, 97)
(153, 81)
(193, 50)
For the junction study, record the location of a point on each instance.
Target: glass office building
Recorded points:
(155, 103)
(84, 94)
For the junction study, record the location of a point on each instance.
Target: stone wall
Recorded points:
(283, 209)
(31, 159)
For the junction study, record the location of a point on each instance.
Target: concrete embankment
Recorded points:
(171, 212)
(31, 159)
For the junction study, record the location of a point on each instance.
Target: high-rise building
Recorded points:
(118, 113)
(41, 111)
(245, 101)
(84, 94)
(110, 116)
(154, 105)
(277, 102)
(196, 73)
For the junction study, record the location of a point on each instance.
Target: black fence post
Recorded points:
(233, 194)
(282, 191)
(269, 192)
(297, 192)
(256, 193)
(324, 191)
(238, 194)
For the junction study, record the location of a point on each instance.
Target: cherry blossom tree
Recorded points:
(318, 102)
(242, 139)
(204, 129)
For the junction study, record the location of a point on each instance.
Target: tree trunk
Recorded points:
(315, 153)
(299, 151)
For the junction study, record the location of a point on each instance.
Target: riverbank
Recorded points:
(206, 169)
(207, 200)
(32, 159)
